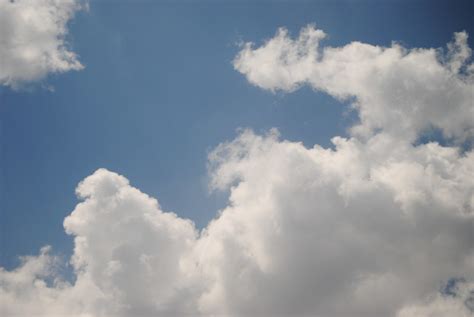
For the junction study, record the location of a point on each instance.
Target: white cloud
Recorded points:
(375, 226)
(361, 230)
(403, 91)
(32, 40)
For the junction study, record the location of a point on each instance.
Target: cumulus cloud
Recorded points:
(360, 230)
(403, 91)
(376, 225)
(32, 40)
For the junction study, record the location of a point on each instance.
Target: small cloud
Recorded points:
(33, 40)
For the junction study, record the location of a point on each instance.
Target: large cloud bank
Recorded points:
(32, 40)
(378, 225)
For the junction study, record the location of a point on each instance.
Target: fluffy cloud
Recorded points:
(374, 226)
(361, 230)
(403, 91)
(33, 42)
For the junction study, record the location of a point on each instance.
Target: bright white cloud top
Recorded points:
(379, 225)
(402, 91)
(33, 44)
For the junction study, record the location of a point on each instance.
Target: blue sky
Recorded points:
(159, 91)
(377, 222)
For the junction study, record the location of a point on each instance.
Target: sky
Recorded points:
(226, 113)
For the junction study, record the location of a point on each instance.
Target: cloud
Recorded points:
(128, 259)
(33, 40)
(374, 226)
(361, 230)
(460, 303)
(403, 91)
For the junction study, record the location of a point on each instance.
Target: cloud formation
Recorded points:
(32, 40)
(402, 91)
(375, 226)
